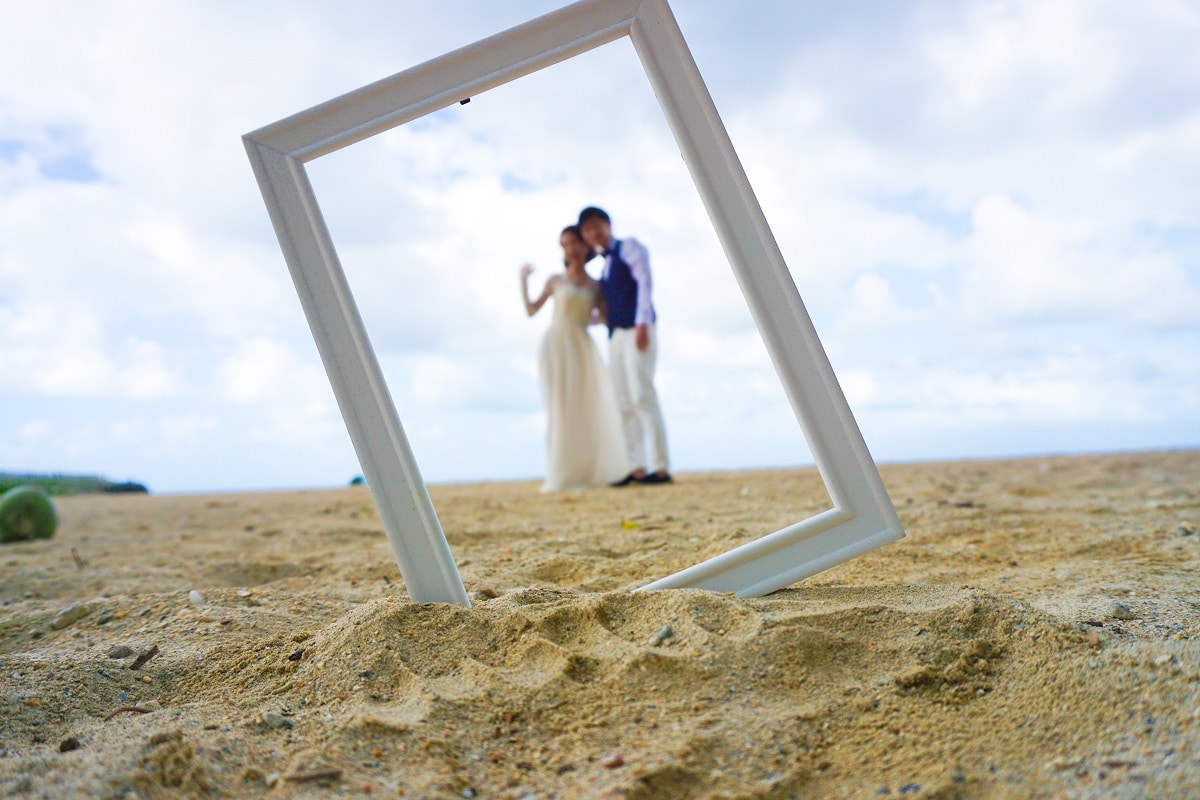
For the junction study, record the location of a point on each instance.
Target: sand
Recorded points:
(1033, 636)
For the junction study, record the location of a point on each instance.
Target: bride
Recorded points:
(584, 445)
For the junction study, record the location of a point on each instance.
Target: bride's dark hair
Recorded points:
(575, 231)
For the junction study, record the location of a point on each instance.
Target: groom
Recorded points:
(632, 346)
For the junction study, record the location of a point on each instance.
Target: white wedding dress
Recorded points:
(584, 444)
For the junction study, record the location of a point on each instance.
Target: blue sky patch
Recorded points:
(515, 183)
(74, 167)
(927, 207)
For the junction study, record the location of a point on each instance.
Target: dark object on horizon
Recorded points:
(26, 512)
(464, 101)
(357, 480)
(127, 487)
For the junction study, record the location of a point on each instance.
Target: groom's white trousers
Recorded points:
(633, 384)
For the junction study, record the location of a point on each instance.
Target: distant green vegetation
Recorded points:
(58, 484)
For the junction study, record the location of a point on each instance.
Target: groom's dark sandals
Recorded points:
(628, 479)
(654, 478)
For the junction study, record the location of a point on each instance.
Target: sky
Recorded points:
(989, 209)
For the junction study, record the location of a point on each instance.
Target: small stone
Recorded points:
(468, 793)
(486, 593)
(195, 598)
(69, 615)
(120, 651)
(274, 719)
(69, 744)
(1185, 530)
(271, 779)
(1093, 639)
(663, 634)
(1119, 610)
(613, 760)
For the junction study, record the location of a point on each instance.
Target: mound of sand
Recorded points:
(1032, 637)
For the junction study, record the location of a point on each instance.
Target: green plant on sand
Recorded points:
(26, 512)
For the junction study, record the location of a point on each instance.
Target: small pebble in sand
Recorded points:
(274, 719)
(69, 744)
(1119, 610)
(195, 598)
(613, 760)
(486, 593)
(70, 615)
(271, 779)
(663, 634)
(120, 651)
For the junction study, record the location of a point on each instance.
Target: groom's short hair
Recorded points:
(591, 212)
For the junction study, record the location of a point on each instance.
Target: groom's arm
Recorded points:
(638, 259)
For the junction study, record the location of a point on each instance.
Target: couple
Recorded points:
(600, 421)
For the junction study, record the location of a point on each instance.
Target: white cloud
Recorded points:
(64, 352)
(291, 397)
(264, 370)
(184, 430)
(873, 307)
(1027, 265)
(35, 430)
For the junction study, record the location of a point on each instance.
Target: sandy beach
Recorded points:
(1034, 635)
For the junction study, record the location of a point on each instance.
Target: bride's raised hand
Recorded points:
(526, 271)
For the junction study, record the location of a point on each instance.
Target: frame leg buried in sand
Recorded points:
(862, 516)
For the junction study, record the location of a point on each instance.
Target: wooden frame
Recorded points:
(862, 516)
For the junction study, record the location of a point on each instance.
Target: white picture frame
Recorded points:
(862, 516)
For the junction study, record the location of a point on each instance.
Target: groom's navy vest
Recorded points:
(620, 290)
